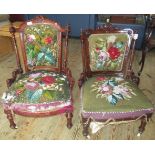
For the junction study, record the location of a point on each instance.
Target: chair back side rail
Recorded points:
(67, 28)
(13, 31)
(129, 60)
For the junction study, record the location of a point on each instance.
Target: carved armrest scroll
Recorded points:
(14, 76)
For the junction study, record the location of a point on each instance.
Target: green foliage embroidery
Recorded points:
(113, 89)
(41, 45)
(107, 52)
(40, 87)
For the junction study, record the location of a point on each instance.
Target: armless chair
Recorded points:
(45, 86)
(108, 85)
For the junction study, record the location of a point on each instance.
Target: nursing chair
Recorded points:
(44, 86)
(108, 85)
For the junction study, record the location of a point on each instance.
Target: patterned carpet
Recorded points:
(147, 84)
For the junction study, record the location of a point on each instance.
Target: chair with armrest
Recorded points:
(108, 85)
(45, 86)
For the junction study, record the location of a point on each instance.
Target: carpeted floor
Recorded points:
(55, 127)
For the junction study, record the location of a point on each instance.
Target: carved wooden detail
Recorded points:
(9, 114)
(126, 72)
(15, 73)
(142, 125)
(69, 120)
(62, 68)
(85, 122)
(81, 80)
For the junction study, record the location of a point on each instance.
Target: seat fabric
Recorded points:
(39, 91)
(113, 97)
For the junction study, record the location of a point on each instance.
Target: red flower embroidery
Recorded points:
(48, 80)
(97, 50)
(48, 40)
(100, 78)
(114, 53)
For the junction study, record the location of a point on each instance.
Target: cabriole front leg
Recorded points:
(69, 120)
(142, 126)
(8, 112)
(85, 123)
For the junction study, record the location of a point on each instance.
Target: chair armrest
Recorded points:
(81, 80)
(14, 76)
(70, 77)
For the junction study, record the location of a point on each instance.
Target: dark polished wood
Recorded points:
(147, 43)
(15, 73)
(9, 114)
(85, 123)
(69, 120)
(62, 68)
(142, 125)
(126, 72)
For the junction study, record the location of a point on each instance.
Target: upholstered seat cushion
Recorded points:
(39, 91)
(113, 97)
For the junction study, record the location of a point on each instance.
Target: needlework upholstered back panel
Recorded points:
(107, 51)
(41, 43)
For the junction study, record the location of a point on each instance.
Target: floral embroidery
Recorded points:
(39, 87)
(34, 75)
(107, 52)
(48, 40)
(48, 80)
(31, 86)
(114, 53)
(113, 89)
(31, 38)
(41, 43)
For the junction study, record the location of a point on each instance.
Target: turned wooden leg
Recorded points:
(69, 120)
(85, 123)
(10, 118)
(142, 125)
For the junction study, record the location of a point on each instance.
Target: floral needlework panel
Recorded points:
(41, 44)
(107, 51)
(112, 94)
(39, 87)
(114, 89)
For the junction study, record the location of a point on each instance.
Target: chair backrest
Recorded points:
(107, 50)
(42, 45)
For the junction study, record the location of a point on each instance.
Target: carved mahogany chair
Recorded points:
(108, 85)
(45, 87)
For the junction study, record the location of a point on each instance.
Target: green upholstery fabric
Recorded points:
(93, 104)
(41, 44)
(107, 51)
(39, 87)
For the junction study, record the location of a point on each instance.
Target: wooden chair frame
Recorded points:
(127, 72)
(62, 68)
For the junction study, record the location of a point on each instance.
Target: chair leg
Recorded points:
(85, 123)
(8, 112)
(142, 126)
(69, 120)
